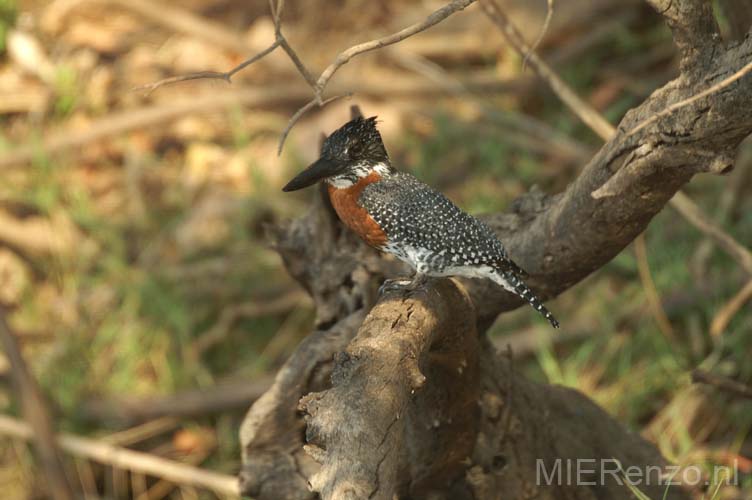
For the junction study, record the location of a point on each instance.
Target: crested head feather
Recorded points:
(356, 142)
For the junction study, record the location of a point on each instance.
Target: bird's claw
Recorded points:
(405, 284)
(391, 285)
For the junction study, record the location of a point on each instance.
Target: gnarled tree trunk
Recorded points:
(410, 399)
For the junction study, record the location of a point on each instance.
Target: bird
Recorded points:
(394, 212)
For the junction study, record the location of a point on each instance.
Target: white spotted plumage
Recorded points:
(436, 238)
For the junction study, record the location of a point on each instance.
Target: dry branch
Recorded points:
(723, 383)
(318, 85)
(35, 411)
(135, 461)
(221, 398)
(694, 30)
(201, 75)
(346, 55)
(723, 317)
(714, 162)
(693, 214)
(589, 116)
(385, 368)
(251, 96)
(693, 99)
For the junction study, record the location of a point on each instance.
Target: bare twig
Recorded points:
(534, 133)
(134, 461)
(118, 123)
(279, 41)
(276, 7)
(654, 300)
(692, 213)
(222, 397)
(300, 112)
(543, 31)
(219, 330)
(142, 432)
(723, 383)
(226, 76)
(686, 102)
(584, 111)
(35, 412)
(318, 85)
(723, 317)
(346, 55)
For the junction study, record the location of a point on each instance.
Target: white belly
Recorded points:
(420, 259)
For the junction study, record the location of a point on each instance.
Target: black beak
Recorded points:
(320, 169)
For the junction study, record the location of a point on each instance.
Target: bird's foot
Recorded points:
(391, 285)
(409, 285)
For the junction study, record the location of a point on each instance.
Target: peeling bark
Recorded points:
(380, 400)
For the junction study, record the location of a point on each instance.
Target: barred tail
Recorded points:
(511, 282)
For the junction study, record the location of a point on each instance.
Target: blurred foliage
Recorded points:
(8, 12)
(158, 232)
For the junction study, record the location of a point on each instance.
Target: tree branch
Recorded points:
(723, 383)
(226, 76)
(35, 412)
(693, 27)
(134, 461)
(346, 55)
(401, 344)
(627, 154)
(589, 116)
(318, 85)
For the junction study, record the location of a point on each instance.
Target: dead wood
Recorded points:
(398, 415)
(403, 343)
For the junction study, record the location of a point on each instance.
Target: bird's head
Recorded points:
(351, 152)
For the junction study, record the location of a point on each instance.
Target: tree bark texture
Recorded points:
(403, 396)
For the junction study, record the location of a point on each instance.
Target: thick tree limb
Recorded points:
(693, 27)
(274, 463)
(561, 239)
(402, 344)
(606, 131)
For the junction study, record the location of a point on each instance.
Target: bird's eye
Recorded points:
(355, 149)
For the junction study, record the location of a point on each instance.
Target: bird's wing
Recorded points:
(412, 213)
